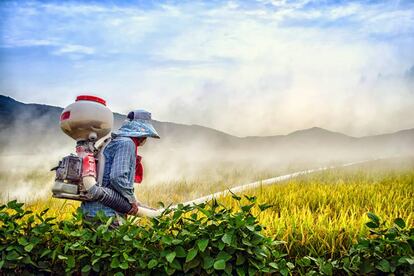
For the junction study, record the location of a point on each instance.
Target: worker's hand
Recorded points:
(134, 209)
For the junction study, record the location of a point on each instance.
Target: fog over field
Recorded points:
(32, 143)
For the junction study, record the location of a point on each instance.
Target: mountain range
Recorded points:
(34, 129)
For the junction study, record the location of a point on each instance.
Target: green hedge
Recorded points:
(201, 239)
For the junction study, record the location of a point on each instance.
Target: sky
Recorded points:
(244, 67)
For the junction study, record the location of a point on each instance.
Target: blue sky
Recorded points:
(244, 67)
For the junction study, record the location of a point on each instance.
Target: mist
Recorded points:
(198, 159)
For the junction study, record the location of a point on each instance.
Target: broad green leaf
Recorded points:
(372, 225)
(373, 217)
(12, 256)
(240, 259)
(127, 238)
(98, 252)
(406, 260)
(274, 265)
(86, 268)
(177, 214)
(284, 271)
(23, 241)
(28, 247)
(167, 240)
(327, 268)
(169, 270)
(223, 255)
(240, 271)
(176, 264)
(61, 257)
(202, 244)
(247, 242)
(251, 228)
(71, 262)
(170, 256)
(208, 262)
(228, 269)
(115, 262)
(219, 265)
(180, 252)
(124, 265)
(400, 222)
(176, 241)
(227, 238)
(153, 263)
(290, 265)
(193, 264)
(305, 261)
(191, 254)
(384, 266)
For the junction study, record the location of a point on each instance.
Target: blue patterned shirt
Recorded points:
(119, 173)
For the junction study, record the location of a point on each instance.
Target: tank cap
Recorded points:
(91, 99)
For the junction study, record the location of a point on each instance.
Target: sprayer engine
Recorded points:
(68, 177)
(69, 169)
(88, 120)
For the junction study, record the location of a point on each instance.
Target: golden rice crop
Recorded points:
(323, 213)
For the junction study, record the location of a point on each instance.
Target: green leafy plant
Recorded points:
(195, 240)
(387, 249)
(199, 239)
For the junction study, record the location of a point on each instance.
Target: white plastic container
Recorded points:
(87, 118)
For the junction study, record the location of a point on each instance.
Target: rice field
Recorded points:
(324, 213)
(320, 214)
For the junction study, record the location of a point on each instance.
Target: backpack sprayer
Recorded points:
(79, 176)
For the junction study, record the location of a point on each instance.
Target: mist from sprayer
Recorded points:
(181, 165)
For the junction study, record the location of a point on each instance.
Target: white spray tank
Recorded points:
(88, 118)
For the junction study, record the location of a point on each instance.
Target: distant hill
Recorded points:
(34, 129)
(33, 123)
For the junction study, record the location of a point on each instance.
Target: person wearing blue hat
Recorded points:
(122, 166)
(137, 125)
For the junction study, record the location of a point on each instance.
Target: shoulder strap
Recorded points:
(101, 160)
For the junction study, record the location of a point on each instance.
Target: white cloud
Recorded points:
(249, 70)
(74, 49)
(10, 42)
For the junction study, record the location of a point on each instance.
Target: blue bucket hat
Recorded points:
(138, 124)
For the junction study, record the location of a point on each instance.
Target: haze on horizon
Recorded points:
(243, 67)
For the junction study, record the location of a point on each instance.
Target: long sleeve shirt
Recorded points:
(119, 172)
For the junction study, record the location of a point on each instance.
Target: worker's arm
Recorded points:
(123, 163)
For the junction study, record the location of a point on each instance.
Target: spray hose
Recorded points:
(114, 200)
(149, 212)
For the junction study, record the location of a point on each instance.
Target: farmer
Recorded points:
(122, 165)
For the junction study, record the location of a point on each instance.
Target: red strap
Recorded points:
(139, 169)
